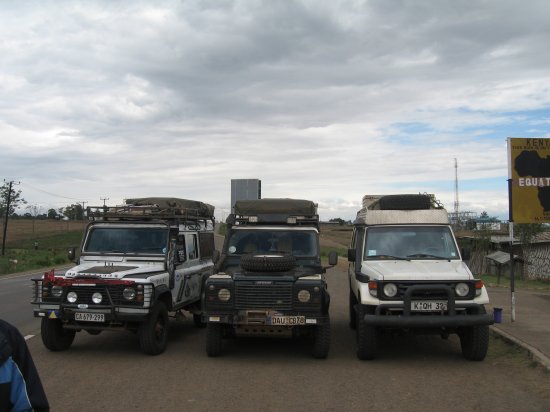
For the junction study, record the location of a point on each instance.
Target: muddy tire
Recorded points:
(367, 337)
(54, 337)
(321, 340)
(197, 320)
(268, 263)
(213, 339)
(153, 333)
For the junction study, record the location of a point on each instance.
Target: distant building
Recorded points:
(245, 189)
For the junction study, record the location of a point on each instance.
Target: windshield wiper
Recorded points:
(386, 257)
(427, 255)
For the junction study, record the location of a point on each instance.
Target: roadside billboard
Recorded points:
(529, 173)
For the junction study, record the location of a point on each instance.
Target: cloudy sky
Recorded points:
(322, 100)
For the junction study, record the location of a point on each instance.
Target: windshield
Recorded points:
(297, 243)
(127, 240)
(410, 242)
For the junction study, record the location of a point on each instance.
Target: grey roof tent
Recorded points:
(291, 207)
(203, 209)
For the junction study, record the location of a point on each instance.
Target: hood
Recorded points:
(113, 270)
(416, 270)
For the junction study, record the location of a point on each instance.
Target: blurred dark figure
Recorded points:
(20, 386)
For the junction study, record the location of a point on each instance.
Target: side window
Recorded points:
(180, 248)
(192, 249)
(206, 245)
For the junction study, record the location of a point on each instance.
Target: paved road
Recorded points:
(108, 372)
(15, 297)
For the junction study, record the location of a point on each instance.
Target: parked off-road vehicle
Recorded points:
(137, 263)
(406, 272)
(270, 281)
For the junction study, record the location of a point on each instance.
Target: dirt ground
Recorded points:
(335, 235)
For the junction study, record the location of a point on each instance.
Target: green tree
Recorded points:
(74, 212)
(15, 199)
(52, 214)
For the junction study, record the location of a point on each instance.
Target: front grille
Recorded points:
(426, 294)
(249, 295)
(112, 295)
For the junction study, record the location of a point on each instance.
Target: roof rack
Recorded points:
(176, 215)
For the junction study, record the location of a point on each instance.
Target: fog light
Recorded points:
(304, 296)
(57, 291)
(97, 297)
(462, 289)
(72, 297)
(129, 293)
(224, 295)
(390, 290)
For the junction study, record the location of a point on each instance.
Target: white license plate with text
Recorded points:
(89, 317)
(287, 320)
(428, 306)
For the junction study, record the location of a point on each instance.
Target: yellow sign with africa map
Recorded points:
(529, 171)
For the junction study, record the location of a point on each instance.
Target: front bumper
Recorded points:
(266, 317)
(112, 315)
(470, 314)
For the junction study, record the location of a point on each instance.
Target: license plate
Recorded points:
(428, 306)
(89, 317)
(287, 320)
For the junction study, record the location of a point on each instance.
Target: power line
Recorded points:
(51, 194)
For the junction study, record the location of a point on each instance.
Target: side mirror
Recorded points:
(332, 258)
(351, 255)
(71, 254)
(465, 254)
(216, 256)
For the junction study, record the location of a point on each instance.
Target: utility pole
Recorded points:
(7, 213)
(456, 195)
(104, 199)
(83, 203)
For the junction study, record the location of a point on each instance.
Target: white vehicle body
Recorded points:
(406, 272)
(136, 264)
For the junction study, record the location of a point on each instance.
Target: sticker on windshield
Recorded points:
(372, 252)
(163, 250)
(232, 249)
(453, 254)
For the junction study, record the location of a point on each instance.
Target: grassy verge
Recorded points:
(492, 280)
(50, 251)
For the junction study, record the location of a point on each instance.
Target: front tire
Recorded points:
(213, 339)
(367, 336)
(474, 341)
(321, 340)
(54, 337)
(352, 310)
(153, 333)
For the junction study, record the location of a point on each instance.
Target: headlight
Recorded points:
(304, 296)
(129, 293)
(97, 297)
(224, 295)
(462, 289)
(390, 290)
(57, 291)
(72, 297)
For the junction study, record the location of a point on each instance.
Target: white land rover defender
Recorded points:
(137, 263)
(406, 272)
(270, 281)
